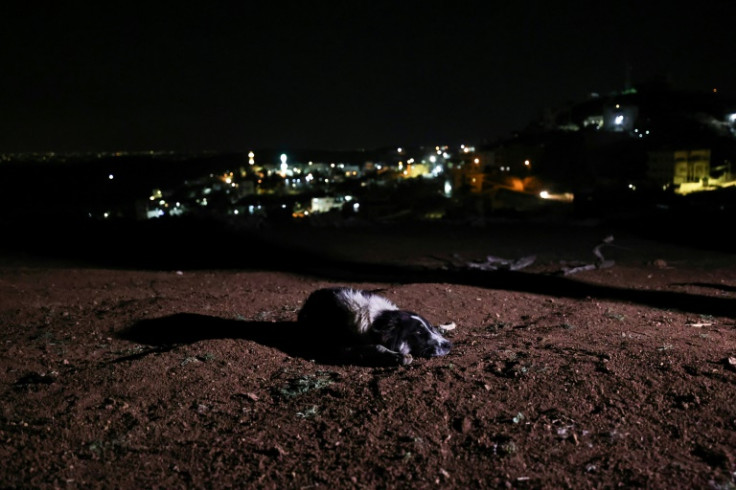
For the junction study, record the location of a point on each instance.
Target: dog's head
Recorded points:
(409, 333)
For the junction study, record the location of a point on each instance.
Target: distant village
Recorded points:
(639, 145)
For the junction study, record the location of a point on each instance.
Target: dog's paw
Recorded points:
(405, 359)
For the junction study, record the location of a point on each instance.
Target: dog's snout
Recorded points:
(440, 349)
(445, 347)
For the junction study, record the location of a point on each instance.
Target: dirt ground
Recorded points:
(125, 377)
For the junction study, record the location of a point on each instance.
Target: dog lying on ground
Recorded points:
(366, 328)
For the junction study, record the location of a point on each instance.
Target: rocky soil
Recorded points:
(136, 376)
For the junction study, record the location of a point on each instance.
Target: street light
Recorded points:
(284, 166)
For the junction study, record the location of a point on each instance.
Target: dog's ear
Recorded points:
(386, 327)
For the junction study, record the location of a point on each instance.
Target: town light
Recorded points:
(284, 166)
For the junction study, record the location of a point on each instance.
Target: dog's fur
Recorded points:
(366, 328)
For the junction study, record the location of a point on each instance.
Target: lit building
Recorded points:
(679, 167)
(691, 166)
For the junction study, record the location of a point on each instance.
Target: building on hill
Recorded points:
(680, 168)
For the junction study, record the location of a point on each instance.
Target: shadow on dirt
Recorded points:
(191, 244)
(549, 285)
(165, 333)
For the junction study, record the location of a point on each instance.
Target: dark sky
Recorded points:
(332, 74)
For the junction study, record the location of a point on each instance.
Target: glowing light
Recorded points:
(448, 188)
(527, 162)
(563, 197)
(111, 176)
(476, 161)
(284, 165)
(619, 120)
(433, 159)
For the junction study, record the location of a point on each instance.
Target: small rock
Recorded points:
(731, 363)
(659, 263)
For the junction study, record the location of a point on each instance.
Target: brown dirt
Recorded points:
(198, 378)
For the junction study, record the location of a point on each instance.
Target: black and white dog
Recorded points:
(369, 329)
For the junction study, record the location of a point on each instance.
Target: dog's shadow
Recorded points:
(165, 333)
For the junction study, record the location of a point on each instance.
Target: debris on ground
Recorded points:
(500, 264)
(600, 260)
(490, 263)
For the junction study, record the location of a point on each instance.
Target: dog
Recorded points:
(367, 328)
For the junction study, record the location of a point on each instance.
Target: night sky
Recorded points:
(224, 76)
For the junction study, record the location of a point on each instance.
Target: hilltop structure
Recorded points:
(647, 138)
